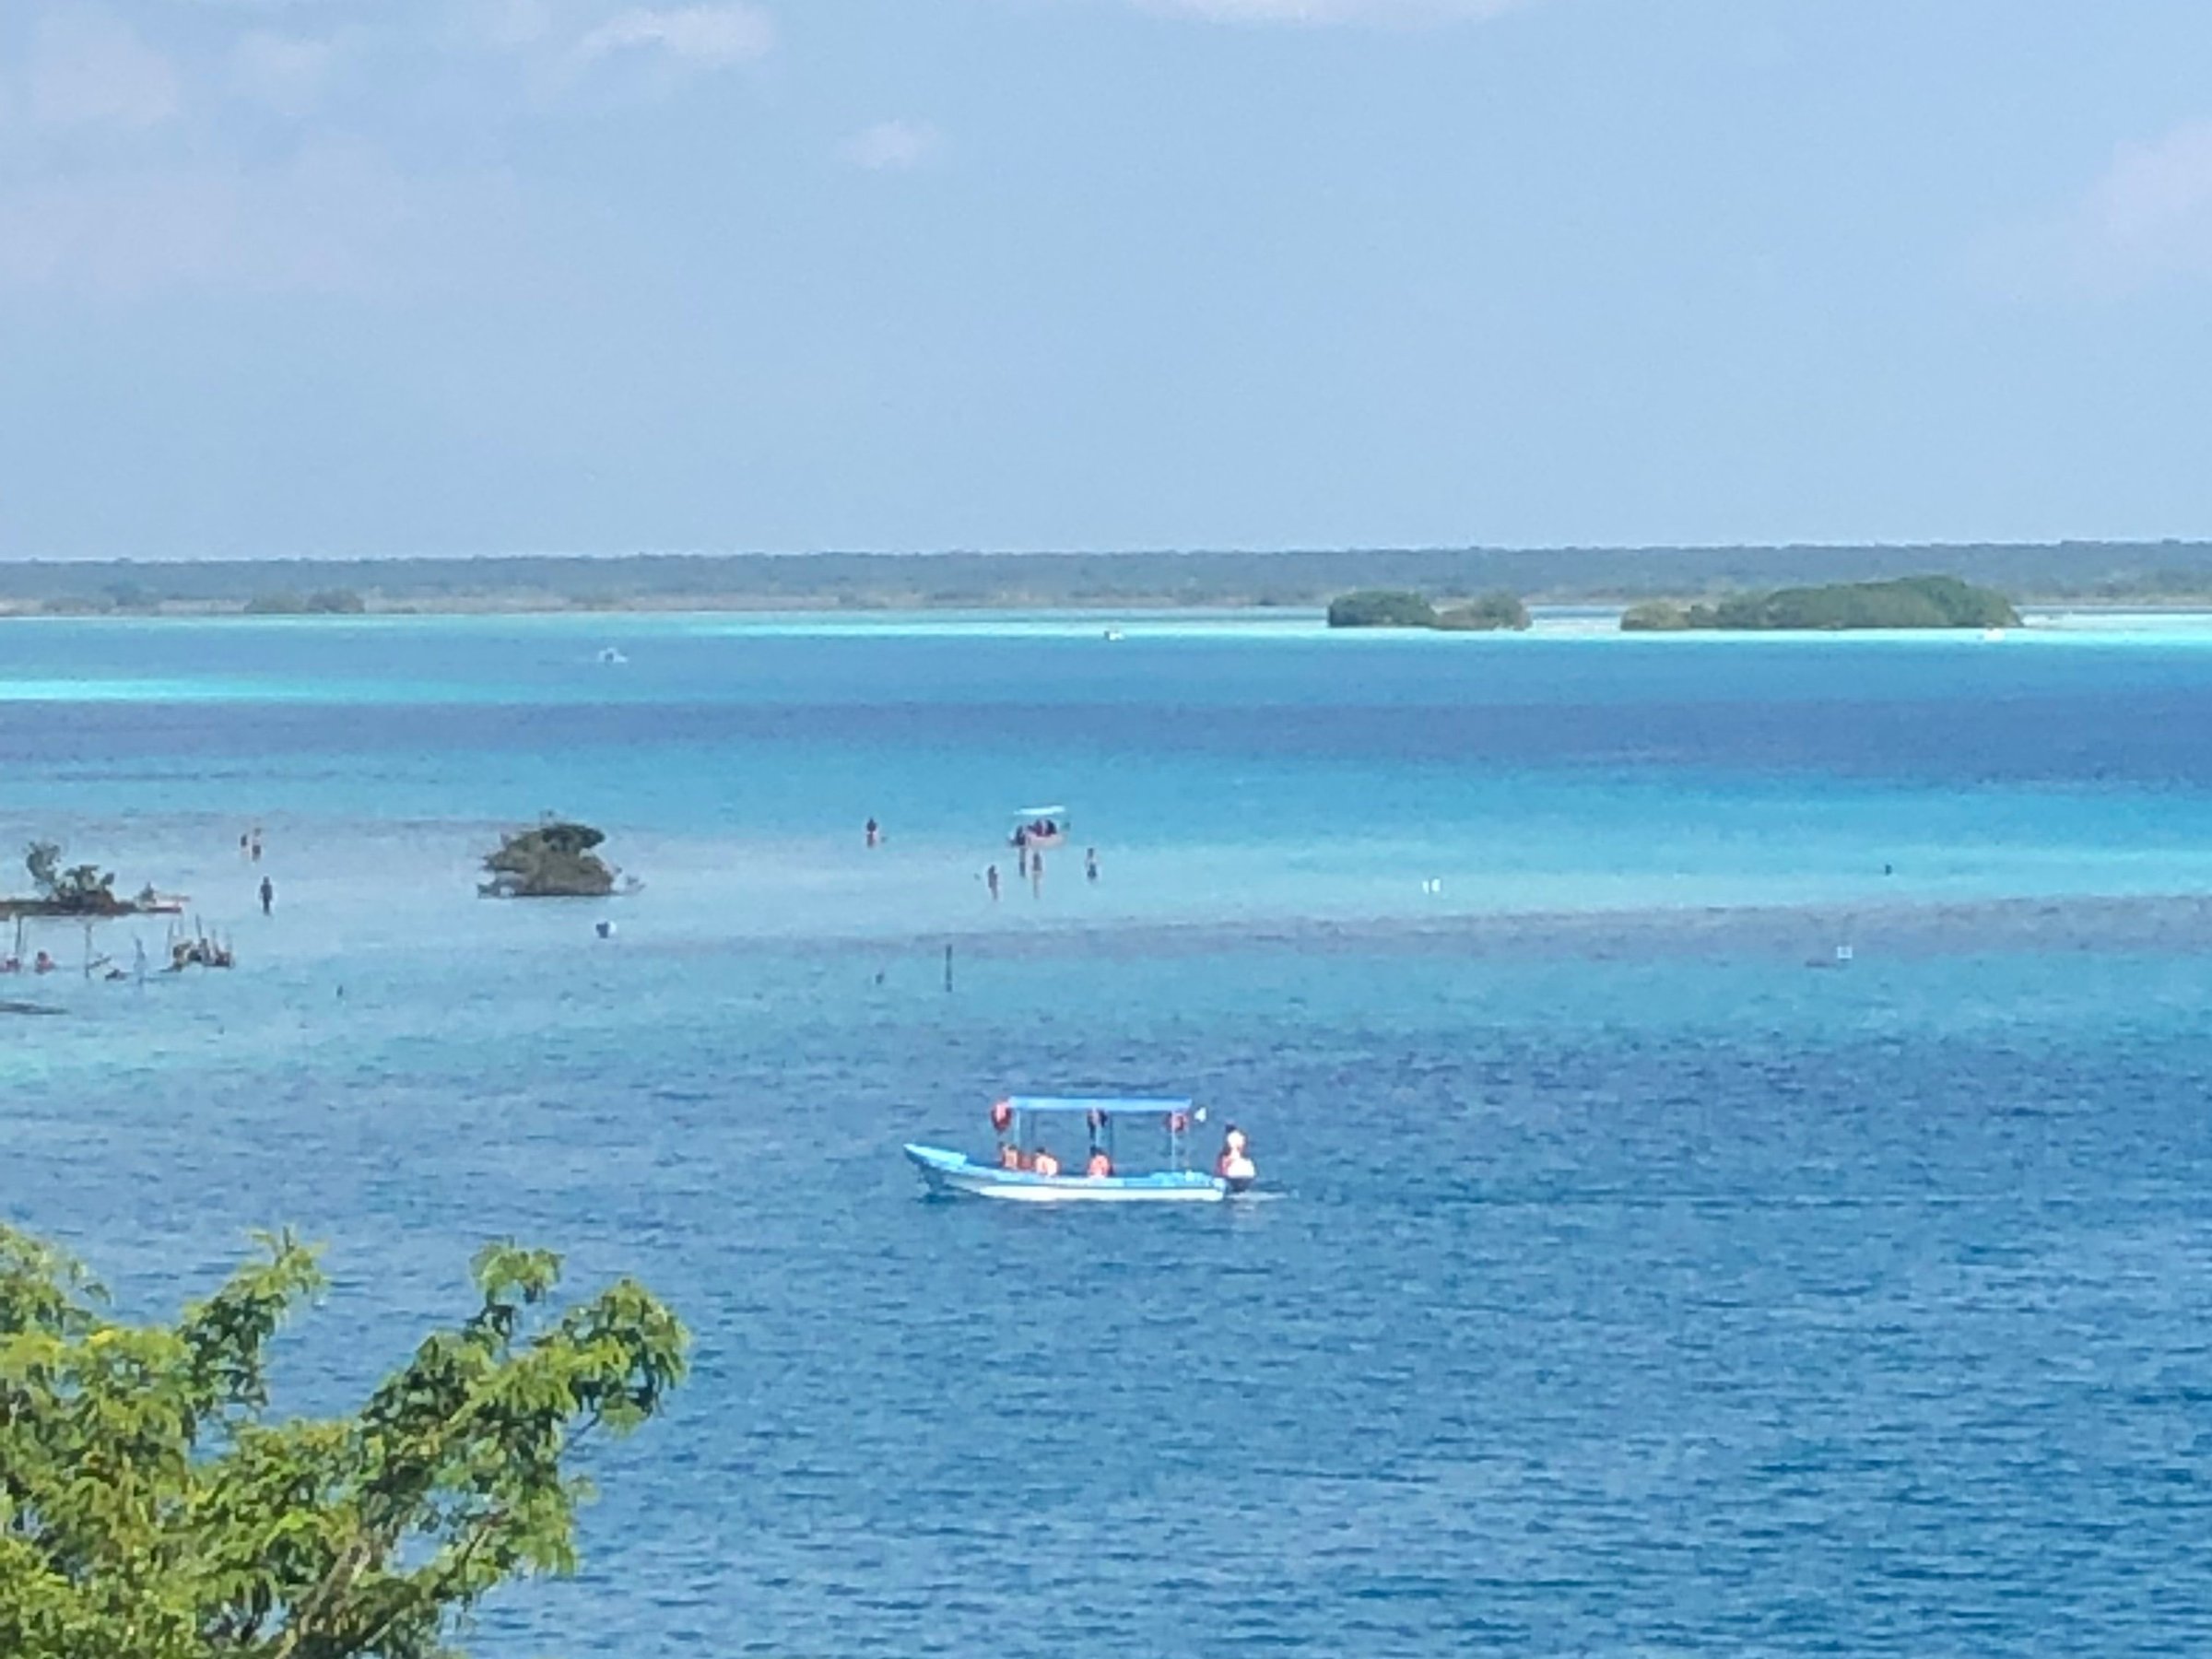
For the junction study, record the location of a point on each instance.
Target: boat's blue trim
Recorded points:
(937, 1158)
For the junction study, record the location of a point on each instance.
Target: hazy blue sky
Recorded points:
(454, 276)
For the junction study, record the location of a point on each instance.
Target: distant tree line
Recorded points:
(322, 602)
(2114, 571)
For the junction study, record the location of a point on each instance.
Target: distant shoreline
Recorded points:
(2114, 575)
(1548, 614)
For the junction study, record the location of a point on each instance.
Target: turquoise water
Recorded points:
(1623, 1284)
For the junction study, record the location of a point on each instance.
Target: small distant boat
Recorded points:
(1041, 827)
(1993, 634)
(1113, 634)
(611, 655)
(1019, 1179)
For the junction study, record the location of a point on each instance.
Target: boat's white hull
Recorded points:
(953, 1174)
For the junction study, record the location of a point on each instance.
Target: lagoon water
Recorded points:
(1632, 1278)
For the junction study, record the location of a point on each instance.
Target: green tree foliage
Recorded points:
(152, 1508)
(1381, 608)
(1388, 607)
(325, 602)
(43, 860)
(1491, 613)
(1657, 616)
(553, 861)
(1911, 602)
(79, 890)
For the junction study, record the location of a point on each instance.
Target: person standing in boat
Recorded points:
(1235, 1165)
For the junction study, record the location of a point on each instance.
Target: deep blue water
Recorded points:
(1623, 1285)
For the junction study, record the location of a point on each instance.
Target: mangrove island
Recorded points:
(1909, 602)
(1388, 607)
(79, 892)
(554, 861)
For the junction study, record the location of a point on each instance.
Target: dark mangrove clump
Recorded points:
(554, 861)
(75, 890)
(323, 602)
(1492, 612)
(1910, 602)
(1386, 607)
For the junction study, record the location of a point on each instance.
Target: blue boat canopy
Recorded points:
(1110, 1108)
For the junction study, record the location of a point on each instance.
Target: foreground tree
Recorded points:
(150, 1508)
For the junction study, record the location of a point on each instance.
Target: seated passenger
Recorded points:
(42, 963)
(1044, 1163)
(1009, 1156)
(1100, 1166)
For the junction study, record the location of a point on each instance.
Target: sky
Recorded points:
(287, 277)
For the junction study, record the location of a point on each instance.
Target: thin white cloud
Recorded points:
(334, 219)
(282, 72)
(510, 25)
(1328, 13)
(893, 146)
(2149, 215)
(710, 36)
(88, 67)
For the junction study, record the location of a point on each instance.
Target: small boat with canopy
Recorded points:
(1027, 1170)
(1040, 828)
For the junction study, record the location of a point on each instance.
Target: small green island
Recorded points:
(1909, 602)
(1390, 607)
(556, 860)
